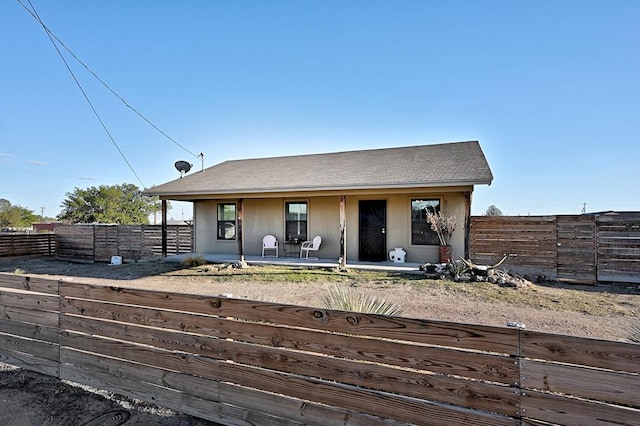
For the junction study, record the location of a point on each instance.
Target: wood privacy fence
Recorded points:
(98, 243)
(242, 362)
(584, 248)
(27, 244)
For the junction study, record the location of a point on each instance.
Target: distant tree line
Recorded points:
(118, 204)
(15, 216)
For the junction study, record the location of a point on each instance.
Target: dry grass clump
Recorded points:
(634, 332)
(192, 261)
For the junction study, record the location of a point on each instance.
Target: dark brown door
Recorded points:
(373, 230)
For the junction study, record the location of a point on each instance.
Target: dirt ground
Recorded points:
(604, 311)
(32, 399)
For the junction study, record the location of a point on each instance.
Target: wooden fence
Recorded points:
(98, 243)
(584, 248)
(243, 362)
(27, 244)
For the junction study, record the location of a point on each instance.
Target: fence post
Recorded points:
(596, 240)
(557, 247)
(164, 228)
(467, 225)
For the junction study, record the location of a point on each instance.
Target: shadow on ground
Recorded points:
(57, 267)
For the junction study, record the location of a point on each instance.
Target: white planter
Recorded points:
(397, 255)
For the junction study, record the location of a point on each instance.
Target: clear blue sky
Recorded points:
(550, 89)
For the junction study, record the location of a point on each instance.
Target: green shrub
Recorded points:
(347, 299)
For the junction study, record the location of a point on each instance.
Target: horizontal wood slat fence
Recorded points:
(27, 244)
(584, 248)
(98, 243)
(242, 362)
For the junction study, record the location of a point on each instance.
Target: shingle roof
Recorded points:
(448, 164)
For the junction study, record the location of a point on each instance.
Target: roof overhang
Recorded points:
(318, 192)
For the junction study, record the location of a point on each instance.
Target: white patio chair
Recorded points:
(269, 242)
(307, 246)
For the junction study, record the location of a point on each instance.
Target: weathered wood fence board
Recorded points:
(533, 239)
(483, 366)
(398, 381)
(482, 338)
(594, 384)
(619, 248)
(246, 406)
(98, 243)
(564, 410)
(576, 248)
(580, 248)
(610, 355)
(27, 244)
(29, 323)
(25, 282)
(75, 242)
(244, 362)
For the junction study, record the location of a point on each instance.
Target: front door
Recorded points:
(373, 230)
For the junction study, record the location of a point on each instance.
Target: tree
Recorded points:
(121, 204)
(15, 216)
(493, 211)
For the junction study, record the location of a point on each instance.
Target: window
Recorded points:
(296, 220)
(421, 232)
(227, 221)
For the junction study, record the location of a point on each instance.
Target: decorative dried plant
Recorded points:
(443, 226)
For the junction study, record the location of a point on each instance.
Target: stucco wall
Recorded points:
(266, 216)
(262, 217)
(205, 229)
(398, 230)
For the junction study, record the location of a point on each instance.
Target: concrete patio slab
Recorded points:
(296, 261)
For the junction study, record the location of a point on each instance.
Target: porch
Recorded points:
(407, 267)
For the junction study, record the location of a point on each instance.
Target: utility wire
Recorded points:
(106, 85)
(86, 97)
(53, 37)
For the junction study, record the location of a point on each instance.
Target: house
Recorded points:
(362, 203)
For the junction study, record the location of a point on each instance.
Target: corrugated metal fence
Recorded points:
(584, 248)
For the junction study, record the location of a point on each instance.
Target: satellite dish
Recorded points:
(183, 167)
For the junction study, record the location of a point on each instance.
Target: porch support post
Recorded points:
(467, 224)
(164, 227)
(240, 233)
(342, 262)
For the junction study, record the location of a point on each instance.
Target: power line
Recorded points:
(86, 97)
(97, 77)
(53, 38)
